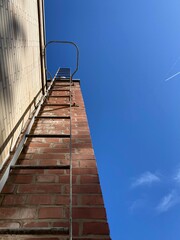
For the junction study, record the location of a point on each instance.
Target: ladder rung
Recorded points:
(57, 96)
(40, 167)
(59, 90)
(23, 231)
(56, 104)
(63, 81)
(48, 135)
(53, 117)
(62, 85)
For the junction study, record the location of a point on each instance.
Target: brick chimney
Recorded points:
(39, 198)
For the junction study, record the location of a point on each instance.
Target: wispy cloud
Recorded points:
(172, 77)
(136, 205)
(168, 201)
(177, 176)
(146, 178)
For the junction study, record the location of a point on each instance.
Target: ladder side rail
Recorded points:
(24, 137)
(70, 159)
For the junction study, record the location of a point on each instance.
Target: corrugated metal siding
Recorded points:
(20, 69)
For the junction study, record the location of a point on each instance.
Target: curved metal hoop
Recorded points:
(66, 42)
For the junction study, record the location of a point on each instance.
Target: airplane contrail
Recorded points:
(172, 77)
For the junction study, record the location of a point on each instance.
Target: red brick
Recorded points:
(35, 224)
(8, 188)
(48, 162)
(83, 156)
(89, 213)
(46, 178)
(99, 228)
(66, 179)
(77, 131)
(81, 136)
(37, 188)
(22, 179)
(14, 200)
(64, 140)
(44, 238)
(39, 199)
(81, 145)
(64, 200)
(75, 226)
(75, 164)
(37, 145)
(28, 162)
(30, 150)
(48, 190)
(92, 200)
(84, 189)
(55, 150)
(87, 164)
(89, 179)
(83, 142)
(27, 213)
(84, 171)
(17, 213)
(56, 171)
(9, 225)
(49, 156)
(61, 145)
(25, 156)
(52, 140)
(51, 213)
(24, 171)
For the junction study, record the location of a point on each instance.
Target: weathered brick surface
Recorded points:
(40, 198)
(97, 228)
(51, 213)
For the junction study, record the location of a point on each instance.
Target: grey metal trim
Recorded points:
(41, 40)
(66, 42)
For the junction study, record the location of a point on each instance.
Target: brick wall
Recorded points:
(20, 65)
(40, 198)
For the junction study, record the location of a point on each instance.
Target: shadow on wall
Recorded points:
(13, 34)
(13, 37)
(18, 30)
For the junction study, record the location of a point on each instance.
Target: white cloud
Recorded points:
(146, 178)
(136, 205)
(168, 201)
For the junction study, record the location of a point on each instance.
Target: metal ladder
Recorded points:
(62, 75)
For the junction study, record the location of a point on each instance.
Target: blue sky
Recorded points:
(127, 50)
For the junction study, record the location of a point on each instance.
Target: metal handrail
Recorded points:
(66, 42)
(24, 137)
